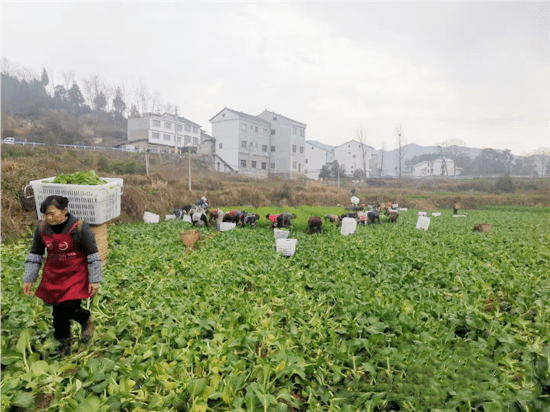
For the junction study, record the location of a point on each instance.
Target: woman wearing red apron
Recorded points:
(72, 271)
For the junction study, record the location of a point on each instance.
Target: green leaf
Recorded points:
(39, 367)
(24, 400)
(23, 341)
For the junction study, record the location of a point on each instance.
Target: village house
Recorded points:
(438, 167)
(354, 156)
(315, 159)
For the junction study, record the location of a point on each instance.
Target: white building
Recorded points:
(164, 130)
(315, 159)
(263, 145)
(354, 156)
(437, 167)
(288, 141)
(243, 141)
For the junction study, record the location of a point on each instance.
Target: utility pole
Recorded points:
(176, 130)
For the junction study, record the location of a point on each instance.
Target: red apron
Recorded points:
(65, 273)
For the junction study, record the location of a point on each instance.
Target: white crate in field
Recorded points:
(280, 234)
(96, 204)
(224, 226)
(349, 225)
(286, 246)
(423, 223)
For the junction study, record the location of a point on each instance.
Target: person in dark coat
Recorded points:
(372, 217)
(273, 219)
(284, 219)
(72, 270)
(314, 224)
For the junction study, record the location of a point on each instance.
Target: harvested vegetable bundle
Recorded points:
(79, 178)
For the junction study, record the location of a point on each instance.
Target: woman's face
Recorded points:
(55, 216)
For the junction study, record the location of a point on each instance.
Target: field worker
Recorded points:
(272, 219)
(284, 219)
(72, 271)
(372, 217)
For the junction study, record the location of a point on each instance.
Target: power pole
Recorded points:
(176, 130)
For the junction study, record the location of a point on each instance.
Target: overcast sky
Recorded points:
(473, 71)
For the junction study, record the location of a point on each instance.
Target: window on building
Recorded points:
(220, 146)
(253, 164)
(167, 125)
(187, 139)
(256, 129)
(243, 163)
(354, 156)
(264, 129)
(195, 140)
(156, 135)
(307, 161)
(275, 118)
(293, 148)
(187, 128)
(272, 149)
(272, 132)
(264, 148)
(264, 165)
(195, 129)
(243, 144)
(294, 131)
(167, 137)
(273, 165)
(302, 149)
(302, 132)
(223, 114)
(180, 127)
(294, 165)
(179, 139)
(156, 123)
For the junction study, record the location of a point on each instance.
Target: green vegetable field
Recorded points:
(388, 318)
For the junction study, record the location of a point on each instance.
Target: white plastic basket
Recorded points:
(423, 223)
(222, 227)
(149, 217)
(170, 217)
(280, 234)
(436, 213)
(96, 204)
(286, 246)
(349, 225)
(422, 213)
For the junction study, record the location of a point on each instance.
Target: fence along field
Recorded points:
(388, 318)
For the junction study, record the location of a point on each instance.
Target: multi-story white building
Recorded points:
(437, 167)
(354, 156)
(164, 130)
(315, 159)
(243, 141)
(287, 145)
(264, 145)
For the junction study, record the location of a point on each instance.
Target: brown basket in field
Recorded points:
(483, 227)
(100, 234)
(189, 237)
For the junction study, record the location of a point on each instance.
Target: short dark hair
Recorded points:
(61, 202)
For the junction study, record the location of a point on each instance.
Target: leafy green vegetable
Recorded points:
(389, 318)
(79, 178)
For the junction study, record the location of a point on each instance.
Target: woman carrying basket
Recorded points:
(72, 271)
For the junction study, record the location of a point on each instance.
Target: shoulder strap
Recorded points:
(41, 227)
(79, 225)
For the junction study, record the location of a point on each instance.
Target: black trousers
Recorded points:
(63, 313)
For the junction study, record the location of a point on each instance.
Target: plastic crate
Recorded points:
(222, 227)
(286, 246)
(349, 225)
(96, 204)
(423, 223)
(280, 234)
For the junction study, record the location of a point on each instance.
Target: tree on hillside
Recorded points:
(60, 97)
(68, 79)
(118, 103)
(142, 96)
(45, 79)
(92, 87)
(100, 102)
(401, 141)
(491, 161)
(134, 112)
(75, 97)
